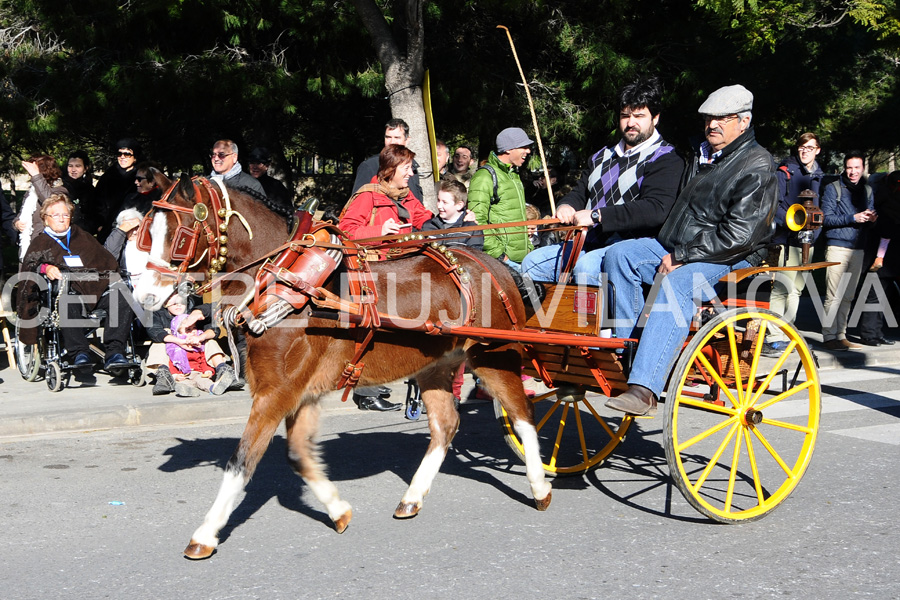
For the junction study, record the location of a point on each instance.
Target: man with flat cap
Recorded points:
(496, 195)
(721, 221)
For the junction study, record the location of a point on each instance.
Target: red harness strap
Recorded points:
(501, 293)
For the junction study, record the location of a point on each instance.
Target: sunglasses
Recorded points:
(124, 153)
(141, 178)
(220, 155)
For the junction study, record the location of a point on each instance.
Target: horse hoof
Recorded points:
(406, 510)
(545, 503)
(196, 551)
(343, 521)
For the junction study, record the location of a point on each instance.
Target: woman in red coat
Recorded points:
(385, 206)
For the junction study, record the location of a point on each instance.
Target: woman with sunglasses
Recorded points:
(116, 183)
(62, 249)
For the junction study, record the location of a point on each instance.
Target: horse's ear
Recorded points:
(162, 182)
(186, 187)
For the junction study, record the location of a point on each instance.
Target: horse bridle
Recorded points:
(184, 241)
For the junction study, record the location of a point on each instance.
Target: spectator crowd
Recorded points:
(649, 210)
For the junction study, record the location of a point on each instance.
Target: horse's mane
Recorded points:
(264, 200)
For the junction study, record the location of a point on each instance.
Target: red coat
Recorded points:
(370, 210)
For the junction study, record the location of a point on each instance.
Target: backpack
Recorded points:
(495, 198)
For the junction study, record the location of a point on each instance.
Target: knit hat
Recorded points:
(728, 100)
(130, 143)
(512, 138)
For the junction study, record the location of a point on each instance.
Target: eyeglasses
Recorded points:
(120, 153)
(141, 178)
(60, 217)
(720, 120)
(220, 155)
(804, 149)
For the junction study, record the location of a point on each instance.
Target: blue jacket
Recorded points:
(840, 228)
(792, 179)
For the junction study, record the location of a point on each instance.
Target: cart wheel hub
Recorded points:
(753, 417)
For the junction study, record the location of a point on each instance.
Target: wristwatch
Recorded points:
(595, 216)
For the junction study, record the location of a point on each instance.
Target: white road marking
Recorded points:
(887, 434)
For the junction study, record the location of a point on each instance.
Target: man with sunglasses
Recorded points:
(224, 159)
(117, 183)
(721, 221)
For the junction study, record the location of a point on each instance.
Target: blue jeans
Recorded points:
(544, 264)
(632, 263)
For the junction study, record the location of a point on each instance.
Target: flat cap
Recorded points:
(728, 100)
(259, 155)
(512, 138)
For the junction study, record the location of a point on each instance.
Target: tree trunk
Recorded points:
(403, 77)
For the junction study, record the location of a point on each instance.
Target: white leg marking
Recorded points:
(208, 533)
(327, 493)
(534, 467)
(425, 474)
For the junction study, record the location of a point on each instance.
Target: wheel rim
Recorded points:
(739, 440)
(54, 377)
(576, 433)
(27, 358)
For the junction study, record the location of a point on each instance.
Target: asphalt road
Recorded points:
(622, 531)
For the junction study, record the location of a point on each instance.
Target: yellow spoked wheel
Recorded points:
(575, 431)
(740, 426)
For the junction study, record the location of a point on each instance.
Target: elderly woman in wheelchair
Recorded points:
(89, 284)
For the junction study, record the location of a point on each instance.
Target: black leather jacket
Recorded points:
(725, 213)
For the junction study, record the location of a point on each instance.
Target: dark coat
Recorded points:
(89, 281)
(277, 192)
(640, 218)
(473, 239)
(794, 178)
(112, 188)
(841, 229)
(725, 212)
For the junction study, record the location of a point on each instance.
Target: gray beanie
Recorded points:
(728, 100)
(512, 138)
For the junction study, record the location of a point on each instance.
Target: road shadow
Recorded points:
(477, 451)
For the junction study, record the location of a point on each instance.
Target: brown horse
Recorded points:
(291, 365)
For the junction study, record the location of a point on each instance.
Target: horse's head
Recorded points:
(185, 235)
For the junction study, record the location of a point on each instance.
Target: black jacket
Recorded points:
(162, 318)
(473, 240)
(726, 211)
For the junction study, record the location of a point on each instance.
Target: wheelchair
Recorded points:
(49, 358)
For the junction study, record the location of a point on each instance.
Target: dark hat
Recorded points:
(130, 143)
(259, 155)
(512, 138)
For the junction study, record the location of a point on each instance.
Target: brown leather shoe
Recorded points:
(636, 400)
(835, 346)
(850, 345)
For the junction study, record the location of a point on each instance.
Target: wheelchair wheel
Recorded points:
(28, 358)
(139, 375)
(56, 379)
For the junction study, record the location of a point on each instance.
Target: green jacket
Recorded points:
(511, 242)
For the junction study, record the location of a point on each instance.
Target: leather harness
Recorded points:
(293, 275)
